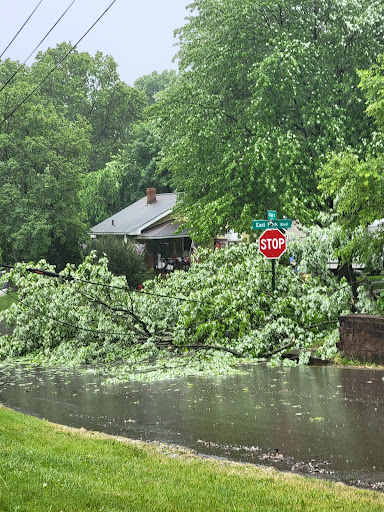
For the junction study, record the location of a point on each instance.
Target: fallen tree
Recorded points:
(221, 311)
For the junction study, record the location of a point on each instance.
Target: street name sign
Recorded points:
(274, 224)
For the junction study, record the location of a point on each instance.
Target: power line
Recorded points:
(33, 51)
(21, 28)
(97, 333)
(125, 289)
(105, 333)
(56, 66)
(70, 278)
(108, 333)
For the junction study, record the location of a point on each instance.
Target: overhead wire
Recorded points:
(105, 285)
(130, 291)
(86, 281)
(92, 331)
(21, 28)
(63, 322)
(56, 66)
(36, 47)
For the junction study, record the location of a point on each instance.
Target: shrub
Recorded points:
(123, 259)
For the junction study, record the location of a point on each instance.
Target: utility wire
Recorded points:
(104, 333)
(96, 333)
(56, 66)
(33, 51)
(132, 290)
(70, 278)
(26, 21)
(107, 333)
(125, 289)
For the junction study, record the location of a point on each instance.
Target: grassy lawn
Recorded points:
(46, 467)
(5, 302)
(376, 281)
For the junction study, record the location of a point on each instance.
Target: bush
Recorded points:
(380, 302)
(123, 259)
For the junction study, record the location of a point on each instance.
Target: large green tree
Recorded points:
(134, 168)
(90, 87)
(154, 83)
(42, 157)
(264, 91)
(354, 179)
(76, 120)
(125, 179)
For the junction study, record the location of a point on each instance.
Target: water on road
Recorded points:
(323, 421)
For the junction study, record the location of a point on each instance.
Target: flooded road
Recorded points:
(323, 421)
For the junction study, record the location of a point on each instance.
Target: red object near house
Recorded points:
(272, 243)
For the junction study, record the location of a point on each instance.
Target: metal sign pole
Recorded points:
(273, 275)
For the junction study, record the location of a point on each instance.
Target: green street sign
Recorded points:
(272, 224)
(271, 215)
(282, 223)
(260, 224)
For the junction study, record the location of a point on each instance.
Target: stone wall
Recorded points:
(362, 338)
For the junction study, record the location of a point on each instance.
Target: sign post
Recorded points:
(273, 275)
(272, 243)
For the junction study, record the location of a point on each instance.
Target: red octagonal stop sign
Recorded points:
(272, 243)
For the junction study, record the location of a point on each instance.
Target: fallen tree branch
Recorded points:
(201, 346)
(277, 350)
(145, 332)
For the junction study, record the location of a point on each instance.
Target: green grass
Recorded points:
(45, 467)
(5, 302)
(376, 281)
(339, 360)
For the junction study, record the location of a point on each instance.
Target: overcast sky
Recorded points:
(137, 33)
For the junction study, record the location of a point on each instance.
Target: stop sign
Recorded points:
(272, 243)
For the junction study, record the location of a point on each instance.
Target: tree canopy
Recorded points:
(90, 87)
(126, 177)
(265, 90)
(134, 168)
(73, 124)
(42, 156)
(354, 179)
(154, 83)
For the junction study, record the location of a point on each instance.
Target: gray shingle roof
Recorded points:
(136, 217)
(164, 230)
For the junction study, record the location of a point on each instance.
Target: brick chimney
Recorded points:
(151, 195)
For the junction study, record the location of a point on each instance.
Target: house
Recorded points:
(149, 223)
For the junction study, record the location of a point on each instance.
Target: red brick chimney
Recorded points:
(151, 195)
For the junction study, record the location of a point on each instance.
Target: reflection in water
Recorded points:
(321, 420)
